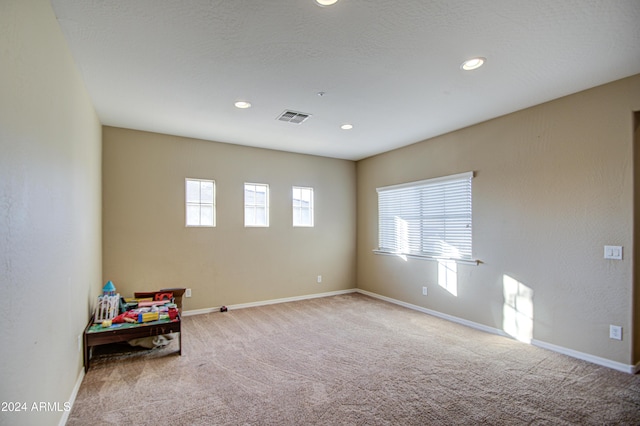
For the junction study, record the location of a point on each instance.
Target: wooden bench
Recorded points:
(95, 335)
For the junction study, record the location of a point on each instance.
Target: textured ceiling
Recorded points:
(390, 68)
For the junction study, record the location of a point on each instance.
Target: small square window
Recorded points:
(256, 205)
(200, 202)
(302, 206)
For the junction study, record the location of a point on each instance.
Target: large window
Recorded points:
(200, 202)
(256, 204)
(302, 206)
(429, 218)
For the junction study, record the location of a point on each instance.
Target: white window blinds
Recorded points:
(429, 218)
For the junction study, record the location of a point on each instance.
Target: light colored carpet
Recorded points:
(348, 360)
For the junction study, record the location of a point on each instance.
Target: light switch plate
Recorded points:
(613, 252)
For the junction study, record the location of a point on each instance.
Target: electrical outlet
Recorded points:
(187, 293)
(424, 291)
(319, 279)
(79, 342)
(615, 332)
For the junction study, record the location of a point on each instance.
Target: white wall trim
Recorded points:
(448, 317)
(631, 369)
(269, 302)
(290, 299)
(199, 311)
(72, 398)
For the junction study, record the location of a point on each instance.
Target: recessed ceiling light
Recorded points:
(326, 2)
(472, 64)
(346, 126)
(243, 104)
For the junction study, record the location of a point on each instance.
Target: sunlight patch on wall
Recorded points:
(517, 310)
(448, 276)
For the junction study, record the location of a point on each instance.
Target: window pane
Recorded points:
(206, 192)
(206, 215)
(193, 191)
(305, 217)
(193, 215)
(306, 195)
(249, 195)
(249, 216)
(261, 216)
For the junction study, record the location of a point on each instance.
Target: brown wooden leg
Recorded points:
(87, 355)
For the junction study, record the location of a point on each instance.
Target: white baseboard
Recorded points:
(269, 302)
(199, 311)
(632, 369)
(72, 398)
(448, 317)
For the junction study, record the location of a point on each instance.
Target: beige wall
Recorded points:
(50, 211)
(553, 185)
(147, 246)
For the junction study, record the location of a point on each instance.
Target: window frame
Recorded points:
(255, 205)
(300, 209)
(427, 219)
(200, 204)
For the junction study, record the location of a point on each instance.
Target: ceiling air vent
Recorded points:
(293, 117)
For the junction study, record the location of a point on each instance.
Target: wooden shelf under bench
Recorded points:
(95, 335)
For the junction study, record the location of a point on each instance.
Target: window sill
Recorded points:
(415, 256)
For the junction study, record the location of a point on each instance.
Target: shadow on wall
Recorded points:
(517, 311)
